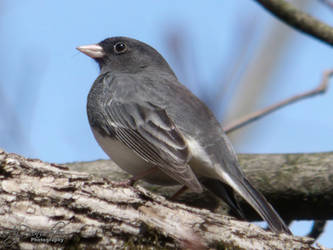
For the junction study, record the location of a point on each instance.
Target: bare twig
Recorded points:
(301, 21)
(320, 89)
(317, 229)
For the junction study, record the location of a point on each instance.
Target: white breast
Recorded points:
(129, 161)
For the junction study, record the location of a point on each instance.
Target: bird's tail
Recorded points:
(259, 203)
(226, 193)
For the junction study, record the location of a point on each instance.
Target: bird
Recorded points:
(156, 129)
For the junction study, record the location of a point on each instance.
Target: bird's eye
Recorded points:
(120, 48)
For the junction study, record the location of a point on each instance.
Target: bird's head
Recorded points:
(123, 54)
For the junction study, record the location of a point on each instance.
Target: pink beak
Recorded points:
(92, 50)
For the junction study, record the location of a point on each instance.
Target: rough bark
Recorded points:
(300, 186)
(45, 205)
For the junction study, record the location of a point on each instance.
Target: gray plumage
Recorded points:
(143, 117)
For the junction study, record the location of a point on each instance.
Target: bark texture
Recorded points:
(299, 186)
(46, 205)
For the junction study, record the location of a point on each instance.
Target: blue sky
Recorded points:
(44, 80)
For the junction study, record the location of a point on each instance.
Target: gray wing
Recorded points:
(151, 134)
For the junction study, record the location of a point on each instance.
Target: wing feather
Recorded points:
(151, 134)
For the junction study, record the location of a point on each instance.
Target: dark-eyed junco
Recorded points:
(154, 127)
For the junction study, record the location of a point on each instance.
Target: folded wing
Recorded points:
(151, 134)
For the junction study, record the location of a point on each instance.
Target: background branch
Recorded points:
(299, 20)
(320, 89)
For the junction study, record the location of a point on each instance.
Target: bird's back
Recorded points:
(178, 101)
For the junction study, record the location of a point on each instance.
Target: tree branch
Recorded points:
(45, 205)
(320, 89)
(301, 21)
(300, 186)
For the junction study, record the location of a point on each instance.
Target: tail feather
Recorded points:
(226, 193)
(260, 204)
